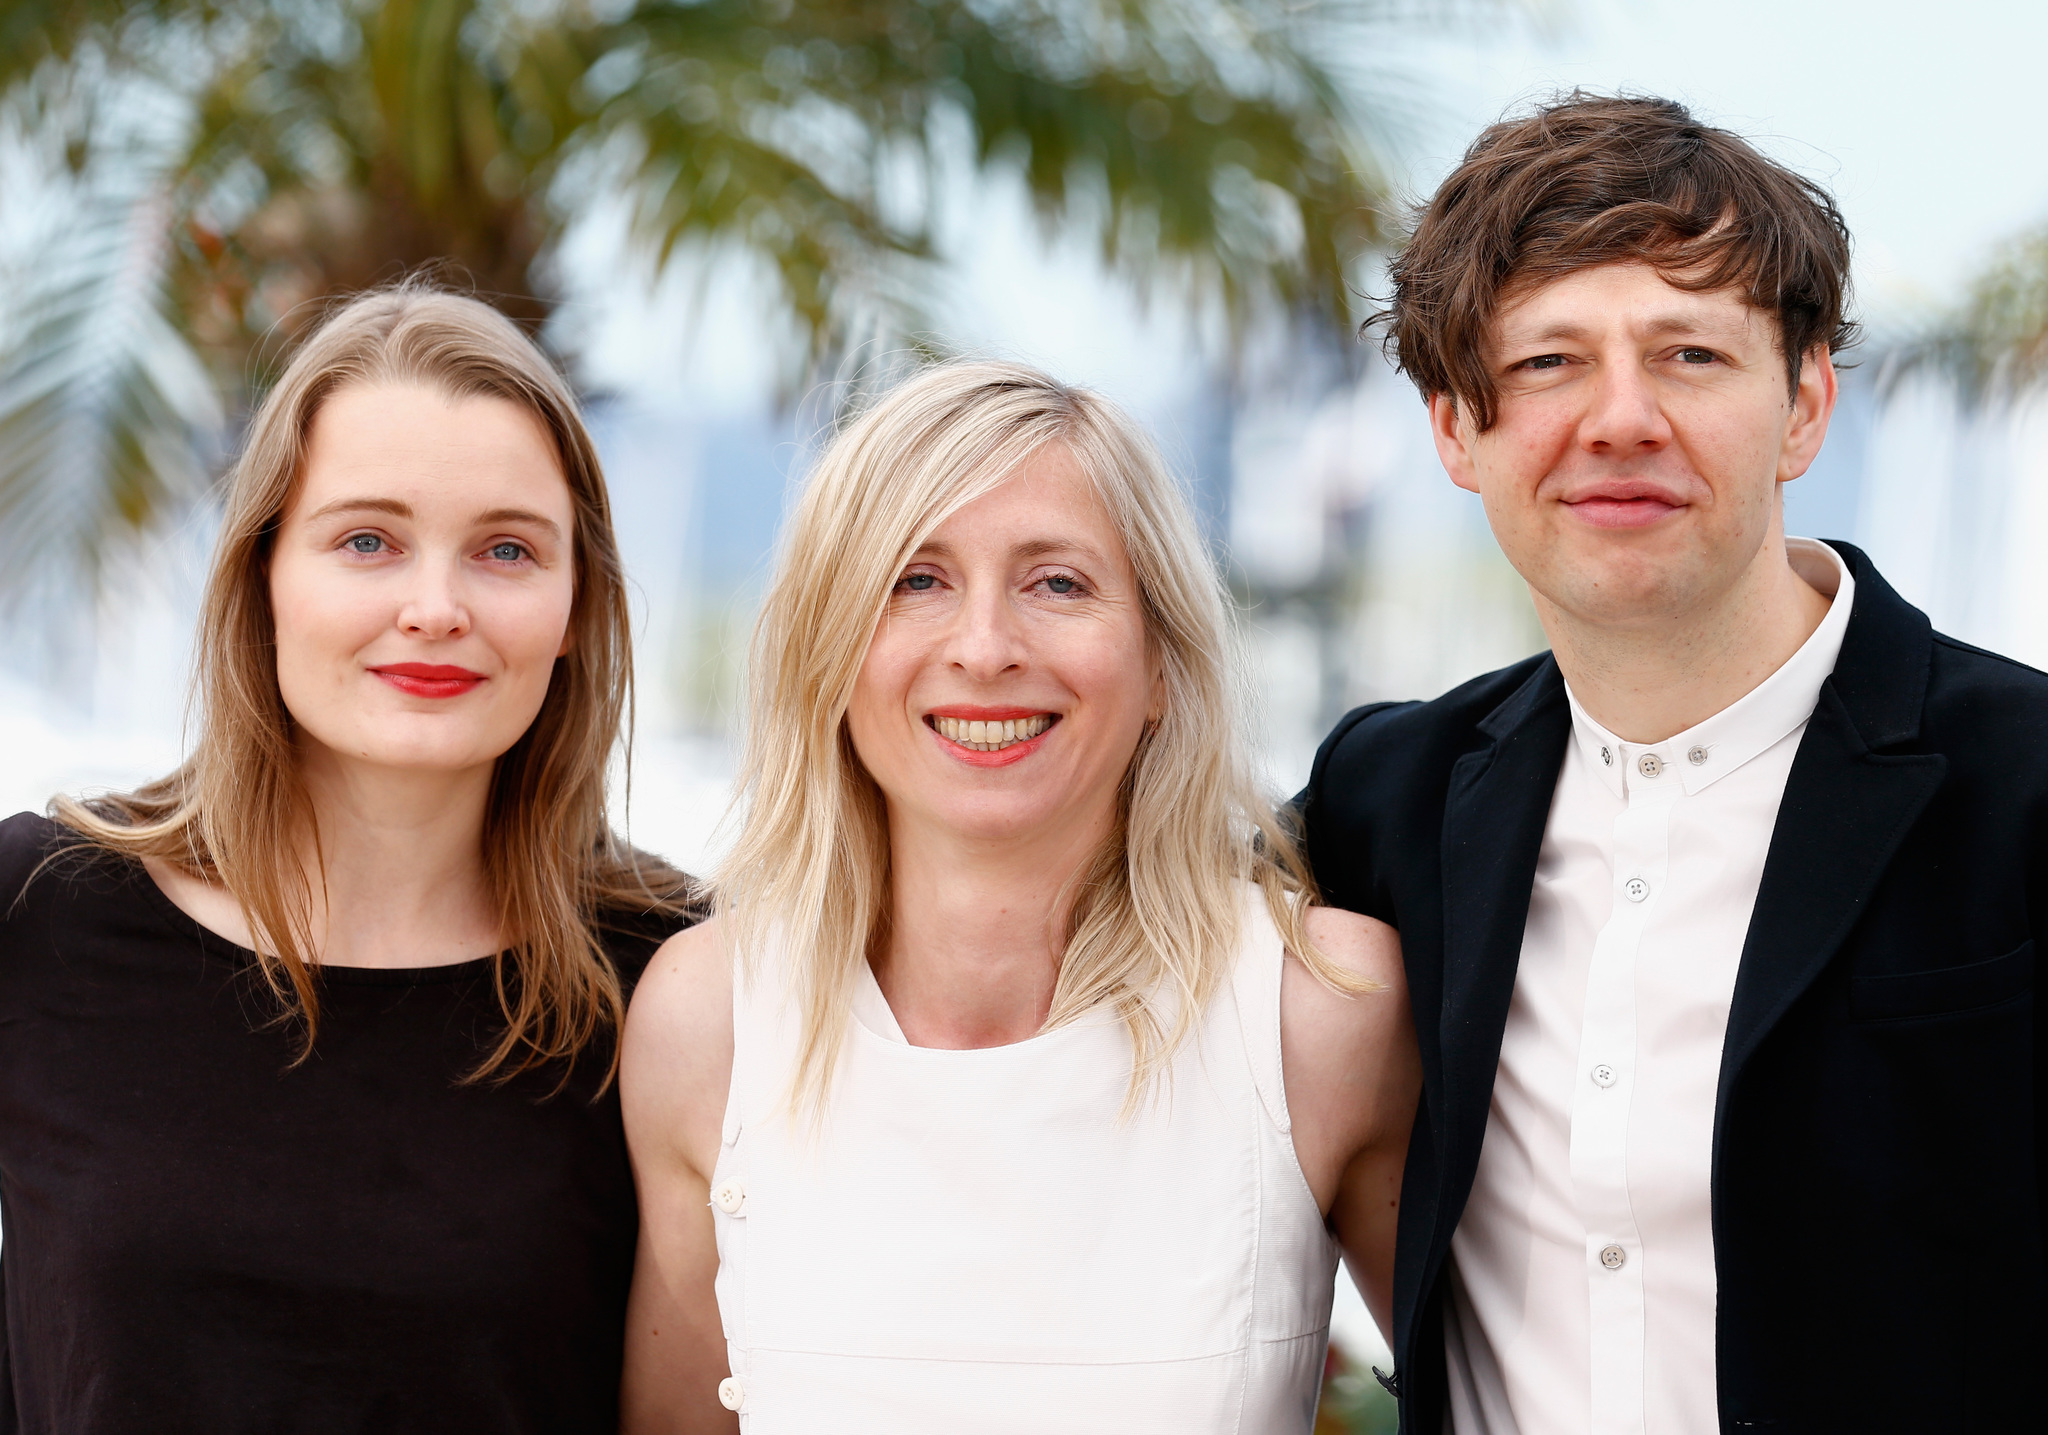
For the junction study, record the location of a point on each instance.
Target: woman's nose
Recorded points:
(434, 606)
(986, 638)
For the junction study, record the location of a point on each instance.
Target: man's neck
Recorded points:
(1650, 679)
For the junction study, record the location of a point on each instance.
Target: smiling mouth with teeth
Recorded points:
(991, 736)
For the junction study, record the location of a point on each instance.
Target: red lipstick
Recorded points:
(429, 680)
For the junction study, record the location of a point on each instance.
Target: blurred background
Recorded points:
(729, 217)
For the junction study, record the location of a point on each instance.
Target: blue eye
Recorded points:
(365, 543)
(919, 582)
(507, 552)
(1060, 583)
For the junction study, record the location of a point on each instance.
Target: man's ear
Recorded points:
(1452, 447)
(1813, 405)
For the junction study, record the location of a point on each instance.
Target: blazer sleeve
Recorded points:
(1337, 813)
(2037, 921)
(10, 1416)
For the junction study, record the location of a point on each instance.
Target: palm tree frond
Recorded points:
(103, 405)
(233, 162)
(1994, 345)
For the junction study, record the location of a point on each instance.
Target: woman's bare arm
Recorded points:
(675, 1069)
(1353, 1079)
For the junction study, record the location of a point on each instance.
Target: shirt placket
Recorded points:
(1603, 1090)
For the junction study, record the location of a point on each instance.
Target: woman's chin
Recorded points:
(422, 755)
(1019, 819)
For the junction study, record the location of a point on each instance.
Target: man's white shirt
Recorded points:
(1582, 1287)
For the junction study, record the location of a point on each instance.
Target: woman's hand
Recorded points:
(1353, 1079)
(675, 1069)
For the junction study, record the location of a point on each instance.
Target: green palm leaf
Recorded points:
(1212, 148)
(103, 405)
(1994, 345)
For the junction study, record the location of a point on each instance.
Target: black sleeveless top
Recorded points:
(200, 1236)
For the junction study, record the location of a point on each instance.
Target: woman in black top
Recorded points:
(307, 1119)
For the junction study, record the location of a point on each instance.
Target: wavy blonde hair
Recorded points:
(237, 813)
(1153, 920)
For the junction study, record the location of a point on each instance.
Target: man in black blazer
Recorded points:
(1721, 919)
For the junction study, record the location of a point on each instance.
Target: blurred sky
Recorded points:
(1923, 120)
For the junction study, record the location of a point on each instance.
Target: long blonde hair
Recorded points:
(1154, 920)
(237, 812)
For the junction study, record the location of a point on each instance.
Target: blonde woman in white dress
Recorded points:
(1016, 1086)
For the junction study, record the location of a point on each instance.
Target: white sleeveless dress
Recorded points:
(973, 1242)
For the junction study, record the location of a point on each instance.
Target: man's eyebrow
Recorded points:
(1692, 324)
(1662, 324)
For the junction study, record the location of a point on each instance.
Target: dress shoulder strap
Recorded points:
(1255, 991)
(761, 1033)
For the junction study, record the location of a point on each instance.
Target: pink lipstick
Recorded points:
(990, 736)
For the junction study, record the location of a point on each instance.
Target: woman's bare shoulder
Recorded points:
(1348, 1056)
(686, 993)
(1359, 945)
(696, 954)
(699, 937)
(210, 904)
(1333, 1040)
(676, 1063)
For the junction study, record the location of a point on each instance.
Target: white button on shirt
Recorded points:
(1582, 1283)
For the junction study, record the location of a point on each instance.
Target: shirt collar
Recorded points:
(1708, 751)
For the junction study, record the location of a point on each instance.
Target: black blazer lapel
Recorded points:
(1845, 810)
(1494, 814)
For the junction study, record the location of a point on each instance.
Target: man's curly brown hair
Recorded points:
(1591, 180)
